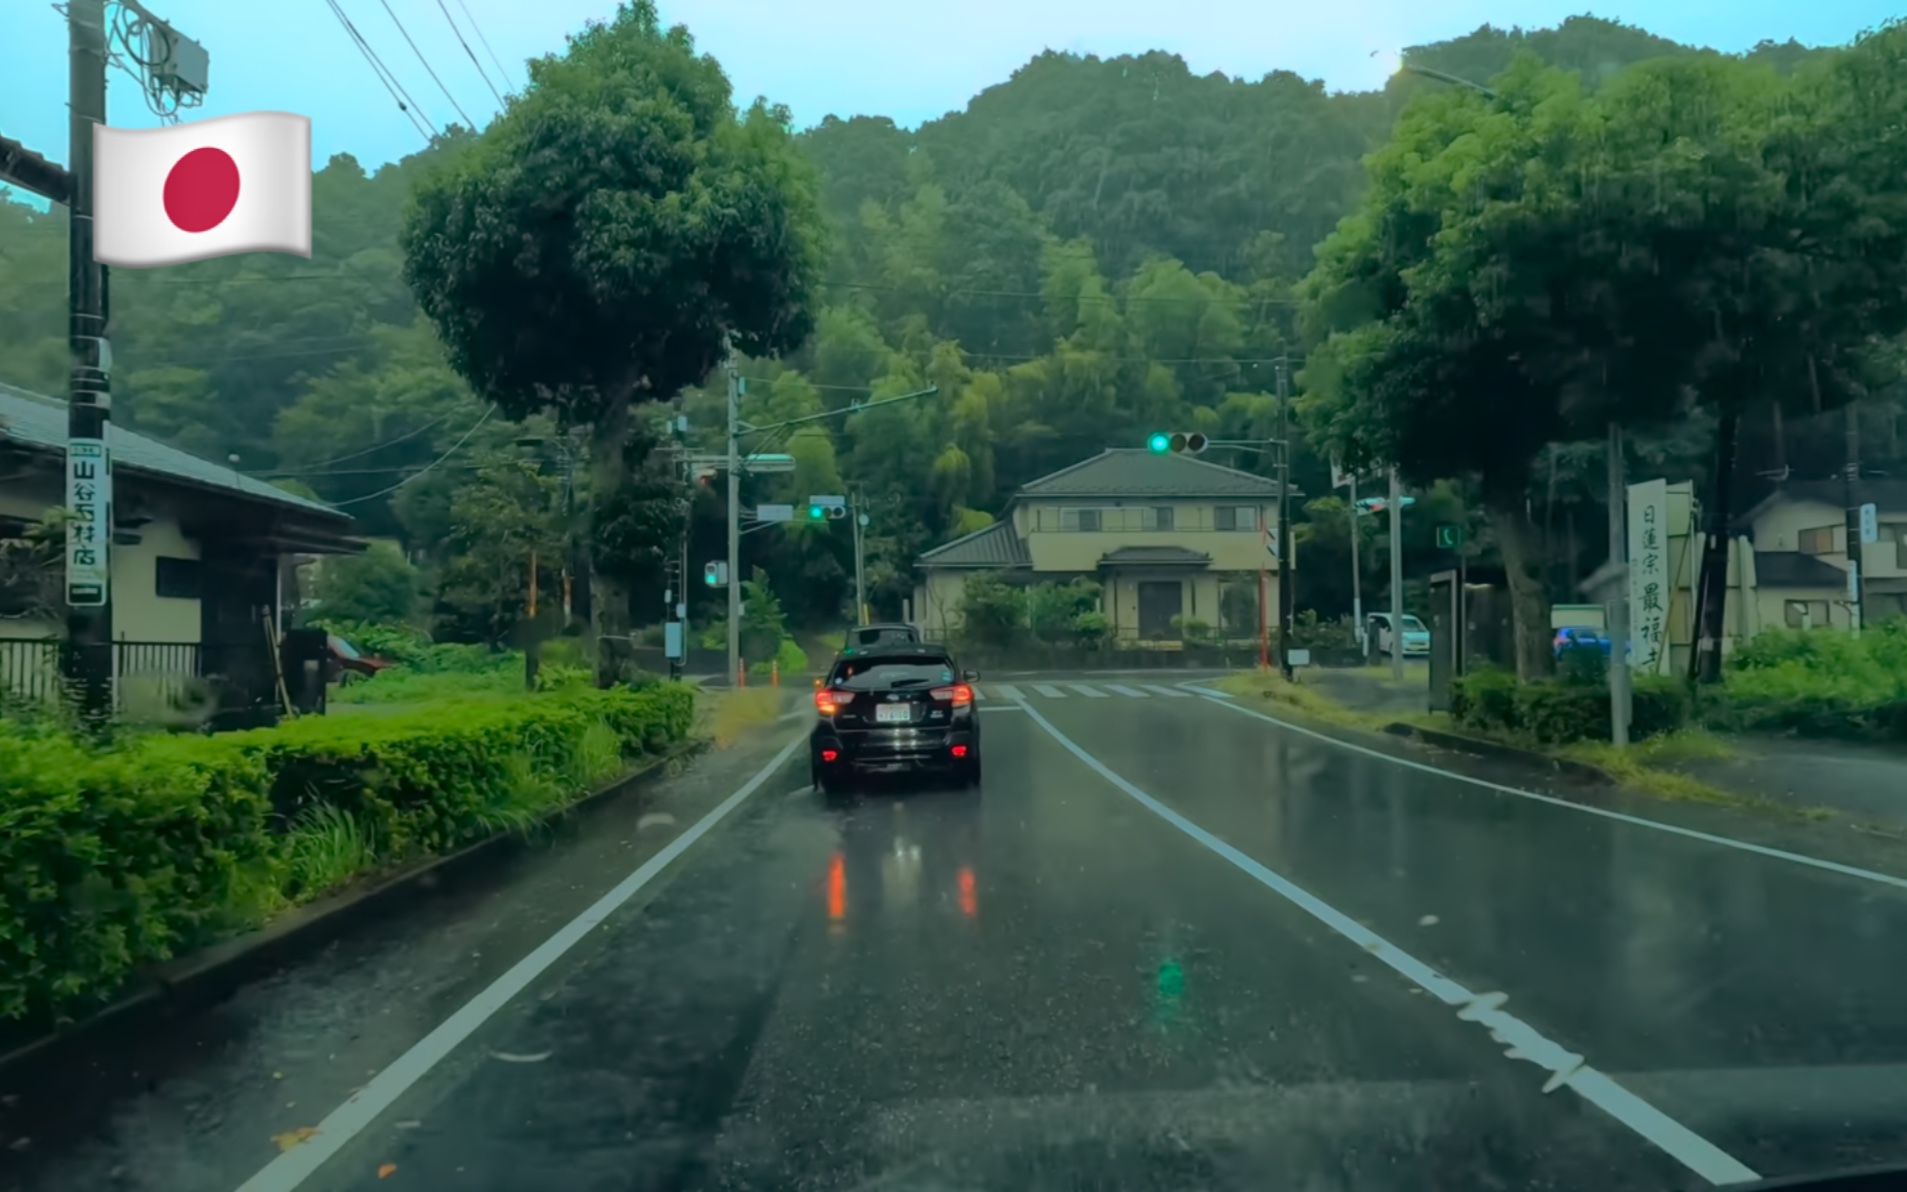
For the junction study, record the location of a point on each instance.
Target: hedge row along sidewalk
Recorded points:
(115, 859)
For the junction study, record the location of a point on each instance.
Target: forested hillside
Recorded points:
(1093, 249)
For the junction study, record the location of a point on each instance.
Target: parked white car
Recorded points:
(1377, 631)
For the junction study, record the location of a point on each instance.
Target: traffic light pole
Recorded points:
(860, 563)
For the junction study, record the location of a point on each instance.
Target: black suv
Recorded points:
(895, 708)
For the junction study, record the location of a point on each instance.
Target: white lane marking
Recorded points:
(1174, 692)
(299, 1164)
(1088, 691)
(1005, 708)
(1008, 691)
(1049, 691)
(1760, 850)
(1523, 1042)
(1133, 692)
(978, 693)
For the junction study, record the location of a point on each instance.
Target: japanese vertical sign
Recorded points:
(1649, 592)
(89, 498)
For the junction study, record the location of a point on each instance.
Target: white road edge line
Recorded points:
(344, 1123)
(1760, 850)
(1521, 1040)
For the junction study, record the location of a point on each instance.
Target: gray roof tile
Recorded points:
(35, 421)
(1137, 472)
(995, 546)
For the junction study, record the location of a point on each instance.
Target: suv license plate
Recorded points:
(893, 714)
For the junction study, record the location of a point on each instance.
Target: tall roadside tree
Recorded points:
(607, 239)
(1420, 336)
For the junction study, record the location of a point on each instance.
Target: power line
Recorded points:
(313, 469)
(425, 470)
(501, 72)
(405, 103)
(466, 45)
(468, 122)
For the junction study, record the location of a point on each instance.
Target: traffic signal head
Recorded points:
(1159, 443)
(817, 512)
(1181, 442)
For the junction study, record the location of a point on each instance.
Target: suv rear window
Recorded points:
(864, 674)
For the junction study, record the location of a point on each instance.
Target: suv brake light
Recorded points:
(828, 701)
(957, 695)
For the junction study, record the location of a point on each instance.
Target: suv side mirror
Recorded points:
(972, 676)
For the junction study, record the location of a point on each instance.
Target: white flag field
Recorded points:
(211, 188)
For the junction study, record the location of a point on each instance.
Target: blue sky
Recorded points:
(911, 62)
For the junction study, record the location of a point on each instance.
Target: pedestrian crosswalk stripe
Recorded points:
(1174, 692)
(1049, 691)
(978, 693)
(1087, 691)
(1132, 691)
(1008, 692)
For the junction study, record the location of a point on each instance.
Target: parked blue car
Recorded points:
(1579, 637)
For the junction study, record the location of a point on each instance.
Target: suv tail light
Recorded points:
(956, 695)
(828, 701)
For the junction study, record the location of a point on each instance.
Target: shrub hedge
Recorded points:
(113, 859)
(1560, 711)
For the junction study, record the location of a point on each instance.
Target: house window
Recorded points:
(1235, 517)
(1818, 542)
(1806, 614)
(1084, 520)
(1156, 517)
(177, 579)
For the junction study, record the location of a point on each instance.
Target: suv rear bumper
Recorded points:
(876, 751)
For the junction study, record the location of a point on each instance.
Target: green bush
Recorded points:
(1561, 711)
(1817, 683)
(115, 858)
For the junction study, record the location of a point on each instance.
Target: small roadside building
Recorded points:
(202, 559)
(1171, 539)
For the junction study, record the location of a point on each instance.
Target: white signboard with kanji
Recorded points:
(1649, 591)
(89, 497)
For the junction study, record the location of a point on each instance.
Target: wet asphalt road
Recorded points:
(1166, 946)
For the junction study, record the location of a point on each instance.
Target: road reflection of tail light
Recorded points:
(838, 888)
(960, 751)
(957, 695)
(828, 755)
(969, 894)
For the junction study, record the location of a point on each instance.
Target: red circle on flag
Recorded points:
(201, 190)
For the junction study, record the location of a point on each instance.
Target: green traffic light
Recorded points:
(816, 512)
(1160, 442)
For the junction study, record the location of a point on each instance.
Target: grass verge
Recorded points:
(725, 717)
(1644, 767)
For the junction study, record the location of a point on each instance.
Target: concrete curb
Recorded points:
(190, 983)
(1493, 749)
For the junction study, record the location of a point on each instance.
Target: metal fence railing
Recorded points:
(162, 671)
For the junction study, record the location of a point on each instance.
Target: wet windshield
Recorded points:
(1032, 596)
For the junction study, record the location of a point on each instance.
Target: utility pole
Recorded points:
(734, 524)
(1396, 506)
(1285, 577)
(1856, 549)
(1620, 695)
(89, 471)
(1357, 582)
(860, 561)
